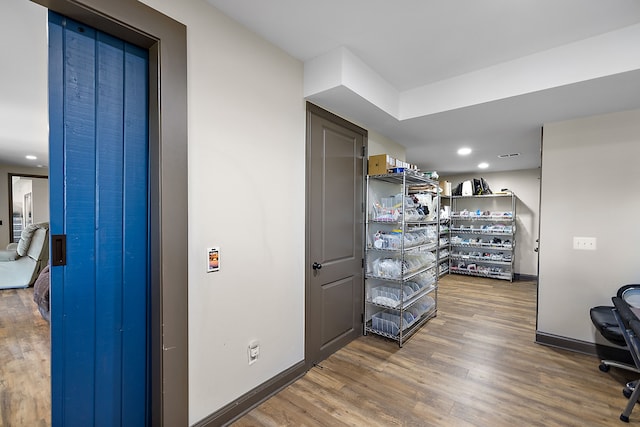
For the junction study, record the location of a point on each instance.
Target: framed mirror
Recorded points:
(28, 202)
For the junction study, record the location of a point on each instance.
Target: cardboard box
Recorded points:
(380, 164)
(446, 188)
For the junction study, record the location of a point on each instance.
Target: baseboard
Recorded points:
(525, 277)
(253, 398)
(565, 343)
(600, 351)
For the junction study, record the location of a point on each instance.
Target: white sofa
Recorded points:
(21, 262)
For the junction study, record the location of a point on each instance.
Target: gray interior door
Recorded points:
(335, 218)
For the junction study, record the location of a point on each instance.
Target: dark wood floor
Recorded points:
(25, 391)
(475, 364)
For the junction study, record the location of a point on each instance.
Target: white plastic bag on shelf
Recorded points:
(387, 267)
(411, 239)
(425, 279)
(430, 203)
(384, 214)
(411, 214)
(385, 295)
(387, 240)
(431, 232)
(408, 201)
(422, 306)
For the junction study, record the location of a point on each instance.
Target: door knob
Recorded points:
(316, 266)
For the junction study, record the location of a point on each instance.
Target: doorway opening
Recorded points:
(28, 202)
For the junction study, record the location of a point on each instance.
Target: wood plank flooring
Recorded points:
(475, 364)
(25, 391)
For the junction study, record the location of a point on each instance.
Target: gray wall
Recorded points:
(590, 188)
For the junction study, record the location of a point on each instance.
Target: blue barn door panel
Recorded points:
(72, 323)
(56, 209)
(108, 206)
(99, 192)
(136, 230)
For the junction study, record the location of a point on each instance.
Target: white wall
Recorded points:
(526, 186)
(590, 188)
(21, 187)
(40, 189)
(246, 195)
(5, 170)
(380, 144)
(24, 111)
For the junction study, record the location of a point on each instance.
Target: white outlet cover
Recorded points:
(253, 351)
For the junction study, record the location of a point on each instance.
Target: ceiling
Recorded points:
(431, 75)
(436, 75)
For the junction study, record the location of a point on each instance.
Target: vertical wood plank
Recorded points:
(80, 222)
(109, 211)
(56, 208)
(136, 258)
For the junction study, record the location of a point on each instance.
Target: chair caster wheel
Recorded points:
(627, 393)
(604, 368)
(624, 418)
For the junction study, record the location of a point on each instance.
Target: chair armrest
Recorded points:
(624, 311)
(12, 246)
(9, 255)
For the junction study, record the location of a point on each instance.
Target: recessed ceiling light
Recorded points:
(30, 157)
(483, 165)
(464, 151)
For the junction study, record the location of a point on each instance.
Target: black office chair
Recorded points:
(605, 322)
(630, 327)
(619, 325)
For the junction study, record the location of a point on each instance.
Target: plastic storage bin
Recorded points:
(388, 322)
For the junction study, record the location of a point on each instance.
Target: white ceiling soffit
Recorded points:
(496, 110)
(434, 75)
(611, 53)
(415, 42)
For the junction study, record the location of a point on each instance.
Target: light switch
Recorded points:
(584, 243)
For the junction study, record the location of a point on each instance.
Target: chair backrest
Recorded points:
(631, 294)
(39, 248)
(27, 235)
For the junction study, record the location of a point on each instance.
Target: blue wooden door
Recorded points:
(98, 91)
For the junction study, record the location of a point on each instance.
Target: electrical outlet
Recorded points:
(584, 243)
(253, 352)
